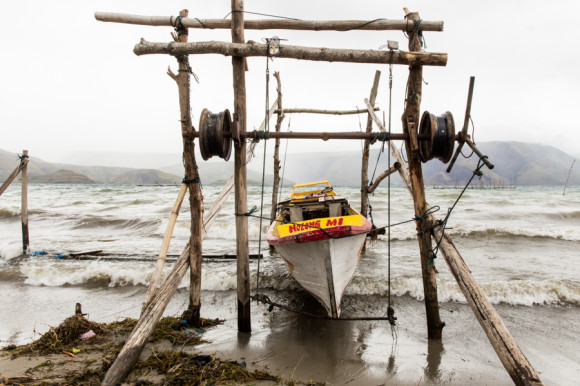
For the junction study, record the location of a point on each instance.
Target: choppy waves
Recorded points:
(222, 276)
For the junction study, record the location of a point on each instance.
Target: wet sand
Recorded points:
(300, 348)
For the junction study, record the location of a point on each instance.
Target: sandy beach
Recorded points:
(299, 348)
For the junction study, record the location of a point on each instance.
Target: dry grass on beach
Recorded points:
(60, 356)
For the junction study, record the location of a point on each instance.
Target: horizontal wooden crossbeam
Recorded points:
(307, 25)
(293, 52)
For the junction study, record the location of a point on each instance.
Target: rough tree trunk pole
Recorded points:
(156, 276)
(505, 346)
(364, 196)
(24, 209)
(276, 183)
(293, 52)
(183, 81)
(312, 25)
(410, 125)
(241, 190)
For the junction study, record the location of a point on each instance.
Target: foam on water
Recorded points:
(530, 236)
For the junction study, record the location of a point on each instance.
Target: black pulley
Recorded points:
(212, 128)
(440, 131)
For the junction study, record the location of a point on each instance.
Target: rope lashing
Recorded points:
(178, 25)
(190, 181)
(249, 213)
(257, 135)
(418, 32)
(22, 157)
(266, 300)
(380, 136)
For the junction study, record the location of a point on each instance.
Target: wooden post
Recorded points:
(241, 204)
(364, 184)
(24, 209)
(504, 344)
(156, 276)
(276, 183)
(192, 176)
(410, 125)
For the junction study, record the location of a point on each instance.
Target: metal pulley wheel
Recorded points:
(440, 131)
(212, 128)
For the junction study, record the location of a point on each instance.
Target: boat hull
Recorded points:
(324, 267)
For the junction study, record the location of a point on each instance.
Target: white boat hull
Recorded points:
(324, 267)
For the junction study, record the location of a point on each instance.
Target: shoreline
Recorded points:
(299, 348)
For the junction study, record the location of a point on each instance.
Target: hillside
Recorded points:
(519, 162)
(62, 176)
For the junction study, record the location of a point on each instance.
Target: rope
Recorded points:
(267, 132)
(260, 14)
(443, 223)
(389, 308)
(190, 181)
(266, 300)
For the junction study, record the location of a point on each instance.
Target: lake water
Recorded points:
(522, 246)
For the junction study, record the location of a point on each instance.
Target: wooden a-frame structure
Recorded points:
(508, 351)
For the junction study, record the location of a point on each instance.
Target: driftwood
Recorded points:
(503, 343)
(318, 111)
(130, 352)
(13, 175)
(312, 25)
(396, 166)
(240, 49)
(241, 193)
(156, 276)
(364, 194)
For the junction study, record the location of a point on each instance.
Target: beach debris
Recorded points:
(69, 353)
(88, 334)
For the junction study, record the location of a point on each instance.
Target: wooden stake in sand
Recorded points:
(241, 202)
(24, 209)
(509, 353)
(156, 276)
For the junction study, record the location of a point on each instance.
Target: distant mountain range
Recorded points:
(516, 163)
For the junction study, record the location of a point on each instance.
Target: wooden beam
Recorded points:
(13, 175)
(309, 25)
(156, 276)
(364, 193)
(505, 346)
(410, 120)
(241, 189)
(318, 111)
(24, 208)
(396, 166)
(241, 49)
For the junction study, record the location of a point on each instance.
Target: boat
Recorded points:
(320, 237)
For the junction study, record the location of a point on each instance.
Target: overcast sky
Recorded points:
(70, 83)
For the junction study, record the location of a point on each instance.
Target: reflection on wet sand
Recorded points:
(434, 355)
